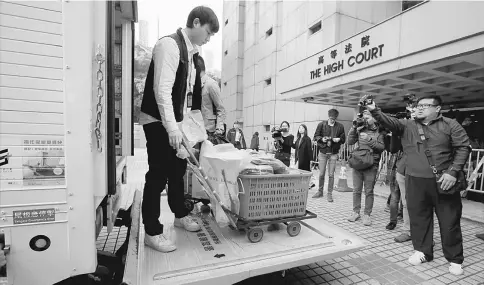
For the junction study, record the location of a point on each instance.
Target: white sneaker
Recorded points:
(159, 243)
(456, 269)
(354, 217)
(366, 220)
(417, 258)
(188, 223)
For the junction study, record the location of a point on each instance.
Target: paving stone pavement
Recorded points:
(381, 262)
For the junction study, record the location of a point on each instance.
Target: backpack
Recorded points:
(361, 159)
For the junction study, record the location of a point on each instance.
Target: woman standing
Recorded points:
(254, 143)
(368, 137)
(283, 144)
(303, 148)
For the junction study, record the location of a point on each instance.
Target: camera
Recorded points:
(367, 101)
(359, 121)
(410, 99)
(328, 141)
(276, 133)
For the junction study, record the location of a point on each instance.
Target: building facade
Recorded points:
(294, 60)
(263, 38)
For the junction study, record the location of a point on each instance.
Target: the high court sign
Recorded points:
(349, 59)
(370, 48)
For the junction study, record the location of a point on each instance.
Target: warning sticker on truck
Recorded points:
(33, 216)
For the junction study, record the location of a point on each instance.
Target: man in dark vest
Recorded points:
(172, 74)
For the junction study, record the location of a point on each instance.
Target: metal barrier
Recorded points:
(343, 155)
(474, 157)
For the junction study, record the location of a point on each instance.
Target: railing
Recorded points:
(474, 157)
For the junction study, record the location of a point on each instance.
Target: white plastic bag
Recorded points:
(193, 128)
(222, 164)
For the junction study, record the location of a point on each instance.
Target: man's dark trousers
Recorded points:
(163, 166)
(422, 199)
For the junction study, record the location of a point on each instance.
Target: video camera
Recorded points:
(359, 121)
(276, 132)
(411, 101)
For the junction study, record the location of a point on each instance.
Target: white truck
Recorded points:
(66, 91)
(65, 131)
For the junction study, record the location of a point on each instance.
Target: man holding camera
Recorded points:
(329, 135)
(436, 150)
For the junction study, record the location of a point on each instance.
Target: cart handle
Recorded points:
(241, 184)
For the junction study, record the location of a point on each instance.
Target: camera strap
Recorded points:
(428, 153)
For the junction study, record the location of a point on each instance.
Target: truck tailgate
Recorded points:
(218, 255)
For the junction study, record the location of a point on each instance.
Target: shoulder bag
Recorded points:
(461, 181)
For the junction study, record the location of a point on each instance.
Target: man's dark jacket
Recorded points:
(324, 130)
(178, 93)
(446, 139)
(231, 137)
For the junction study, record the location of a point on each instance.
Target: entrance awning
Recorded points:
(436, 48)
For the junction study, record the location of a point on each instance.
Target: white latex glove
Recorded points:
(182, 153)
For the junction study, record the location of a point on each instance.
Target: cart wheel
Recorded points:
(255, 235)
(189, 205)
(293, 229)
(205, 209)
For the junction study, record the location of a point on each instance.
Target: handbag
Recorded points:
(461, 181)
(361, 159)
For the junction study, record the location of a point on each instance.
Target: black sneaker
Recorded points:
(391, 226)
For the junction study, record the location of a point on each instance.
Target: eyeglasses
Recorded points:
(424, 106)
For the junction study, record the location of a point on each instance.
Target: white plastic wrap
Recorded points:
(222, 164)
(193, 128)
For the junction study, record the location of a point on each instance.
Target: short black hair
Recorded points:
(206, 16)
(333, 112)
(436, 98)
(201, 63)
(286, 123)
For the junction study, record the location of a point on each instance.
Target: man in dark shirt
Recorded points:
(236, 137)
(449, 147)
(329, 135)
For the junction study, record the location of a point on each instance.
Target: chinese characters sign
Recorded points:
(349, 59)
(33, 161)
(33, 216)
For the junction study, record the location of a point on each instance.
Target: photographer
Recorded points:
(283, 142)
(436, 150)
(329, 135)
(370, 140)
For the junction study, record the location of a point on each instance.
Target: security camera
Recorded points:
(307, 99)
